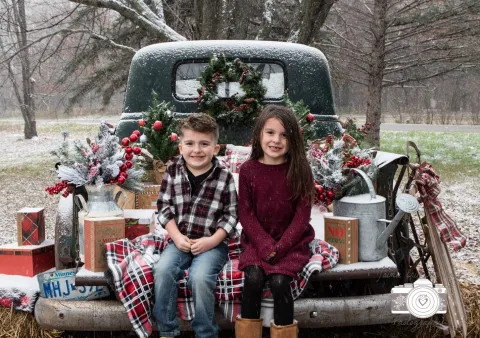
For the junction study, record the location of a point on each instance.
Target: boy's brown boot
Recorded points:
(284, 331)
(248, 328)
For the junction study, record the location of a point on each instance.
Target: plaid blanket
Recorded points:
(130, 264)
(428, 184)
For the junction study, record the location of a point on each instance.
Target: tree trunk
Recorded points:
(198, 12)
(310, 17)
(241, 14)
(376, 70)
(211, 18)
(267, 20)
(27, 103)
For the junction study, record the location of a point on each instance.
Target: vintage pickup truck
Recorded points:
(347, 295)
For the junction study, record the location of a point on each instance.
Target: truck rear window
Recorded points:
(187, 74)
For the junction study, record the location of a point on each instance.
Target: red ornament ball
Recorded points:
(128, 150)
(133, 138)
(174, 137)
(128, 157)
(137, 150)
(129, 164)
(124, 174)
(136, 132)
(157, 125)
(121, 179)
(141, 122)
(330, 194)
(125, 141)
(310, 118)
(123, 168)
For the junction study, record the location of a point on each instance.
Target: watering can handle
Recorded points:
(371, 190)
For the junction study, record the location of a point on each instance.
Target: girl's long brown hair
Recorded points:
(299, 176)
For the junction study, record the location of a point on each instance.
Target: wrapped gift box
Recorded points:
(147, 199)
(27, 260)
(138, 222)
(30, 226)
(98, 232)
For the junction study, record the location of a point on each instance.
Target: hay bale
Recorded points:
(19, 324)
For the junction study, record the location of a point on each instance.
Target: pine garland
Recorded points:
(161, 143)
(235, 109)
(304, 117)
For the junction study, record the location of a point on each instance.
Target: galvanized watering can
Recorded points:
(370, 210)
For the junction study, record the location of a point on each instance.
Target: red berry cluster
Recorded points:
(57, 188)
(324, 195)
(130, 150)
(355, 162)
(241, 107)
(366, 128)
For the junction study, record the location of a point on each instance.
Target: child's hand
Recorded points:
(182, 243)
(269, 257)
(201, 245)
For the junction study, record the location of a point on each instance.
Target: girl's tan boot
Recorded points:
(248, 328)
(284, 331)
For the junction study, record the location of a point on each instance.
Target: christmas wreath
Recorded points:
(235, 109)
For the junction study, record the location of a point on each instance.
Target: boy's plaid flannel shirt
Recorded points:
(200, 215)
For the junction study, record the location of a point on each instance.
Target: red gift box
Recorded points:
(27, 260)
(138, 222)
(30, 226)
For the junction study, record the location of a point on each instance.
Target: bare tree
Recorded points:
(382, 43)
(24, 85)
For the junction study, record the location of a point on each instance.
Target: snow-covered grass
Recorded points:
(454, 155)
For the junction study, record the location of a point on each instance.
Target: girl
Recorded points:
(276, 190)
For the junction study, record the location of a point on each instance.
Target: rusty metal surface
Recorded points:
(456, 315)
(111, 315)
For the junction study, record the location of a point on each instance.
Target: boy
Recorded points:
(197, 205)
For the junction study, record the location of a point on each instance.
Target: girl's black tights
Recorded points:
(255, 279)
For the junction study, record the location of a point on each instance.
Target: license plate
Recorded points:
(61, 285)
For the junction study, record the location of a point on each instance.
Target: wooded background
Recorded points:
(411, 61)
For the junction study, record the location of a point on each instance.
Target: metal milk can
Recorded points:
(370, 210)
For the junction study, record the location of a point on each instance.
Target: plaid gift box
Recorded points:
(30, 226)
(27, 260)
(138, 222)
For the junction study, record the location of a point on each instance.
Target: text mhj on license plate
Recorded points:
(61, 285)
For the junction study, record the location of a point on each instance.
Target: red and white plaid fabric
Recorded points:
(428, 184)
(131, 265)
(234, 157)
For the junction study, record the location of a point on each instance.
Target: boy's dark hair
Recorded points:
(299, 176)
(200, 122)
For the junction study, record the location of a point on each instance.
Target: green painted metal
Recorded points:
(306, 77)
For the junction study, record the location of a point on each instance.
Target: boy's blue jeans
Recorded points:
(202, 277)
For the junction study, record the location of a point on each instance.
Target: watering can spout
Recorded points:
(407, 204)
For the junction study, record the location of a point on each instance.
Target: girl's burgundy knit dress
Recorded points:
(272, 221)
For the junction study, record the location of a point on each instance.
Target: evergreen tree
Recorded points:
(159, 128)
